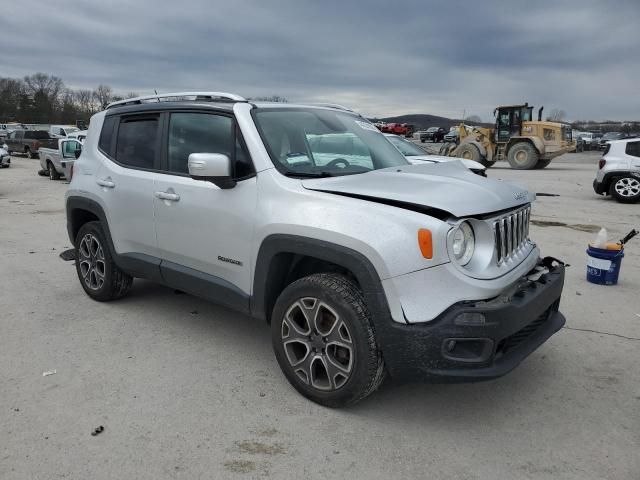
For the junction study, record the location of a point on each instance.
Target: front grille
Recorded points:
(512, 341)
(511, 233)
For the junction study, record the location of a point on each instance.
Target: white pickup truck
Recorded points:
(56, 162)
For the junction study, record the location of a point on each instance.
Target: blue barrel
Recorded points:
(603, 266)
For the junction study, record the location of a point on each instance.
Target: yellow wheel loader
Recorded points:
(526, 144)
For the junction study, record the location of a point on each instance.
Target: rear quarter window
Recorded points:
(106, 135)
(633, 149)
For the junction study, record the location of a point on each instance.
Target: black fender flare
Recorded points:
(266, 266)
(74, 203)
(136, 265)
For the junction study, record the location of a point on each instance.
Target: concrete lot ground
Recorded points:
(186, 389)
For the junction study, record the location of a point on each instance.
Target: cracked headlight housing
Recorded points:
(463, 243)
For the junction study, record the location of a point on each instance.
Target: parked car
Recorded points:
(452, 136)
(619, 171)
(62, 131)
(57, 162)
(79, 135)
(29, 142)
(608, 137)
(584, 141)
(404, 129)
(416, 155)
(5, 158)
(433, 134)
(364, 266)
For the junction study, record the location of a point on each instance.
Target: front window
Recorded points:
(407, 148)
(323, 143)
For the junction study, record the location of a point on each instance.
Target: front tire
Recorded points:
(625, 189)
(99, 276)
(27, 153)
(542, 164)
(522, 156)
(468, 151)
(324, 341)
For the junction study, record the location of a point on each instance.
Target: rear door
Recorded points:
(204, 232)
(130, 145)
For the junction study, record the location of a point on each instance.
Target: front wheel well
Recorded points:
(286, 268)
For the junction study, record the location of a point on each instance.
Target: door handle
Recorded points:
(106, 182)
(172, 197)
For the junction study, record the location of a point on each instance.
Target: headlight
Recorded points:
(463, 243)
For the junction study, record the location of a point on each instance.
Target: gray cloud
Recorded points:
(383, 58)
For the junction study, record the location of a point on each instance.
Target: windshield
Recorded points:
(611, 135)
(72, 129)
(323, 143)
(432, 129)
(406, 147)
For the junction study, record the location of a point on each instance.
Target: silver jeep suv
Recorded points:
(364, 264)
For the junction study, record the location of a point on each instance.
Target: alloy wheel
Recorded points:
(627, 187)
(92, 263)
(318, 344)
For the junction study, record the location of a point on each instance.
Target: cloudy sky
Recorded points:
(381, 57)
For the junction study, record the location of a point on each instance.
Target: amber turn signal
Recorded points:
(425, 242)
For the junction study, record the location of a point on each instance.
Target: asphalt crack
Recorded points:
(603, 333)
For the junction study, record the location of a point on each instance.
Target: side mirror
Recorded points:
(212, 167)
(78, 152)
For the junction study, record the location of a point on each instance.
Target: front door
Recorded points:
(204, 232)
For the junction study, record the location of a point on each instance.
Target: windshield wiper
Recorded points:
(309, 174)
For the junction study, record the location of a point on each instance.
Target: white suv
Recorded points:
(364, 264)
(619, 171)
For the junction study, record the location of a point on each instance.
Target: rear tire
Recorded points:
(324, 341)
(522, 156)
(53, 173)
(625, 189)
(446, 148)
(99, 276)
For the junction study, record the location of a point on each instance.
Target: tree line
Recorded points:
(42, 98)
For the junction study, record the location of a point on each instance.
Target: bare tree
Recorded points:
(103, 95)
(48, 85)
(556, 115)
(473, 119)
(84, 100)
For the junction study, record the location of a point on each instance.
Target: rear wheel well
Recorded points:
(79, 217)
(286, 268)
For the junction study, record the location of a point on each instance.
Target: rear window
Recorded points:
(137, 142)
(106, 135)
(36, 134)
(633, 149)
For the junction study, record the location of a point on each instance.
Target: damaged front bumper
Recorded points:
(482, 340)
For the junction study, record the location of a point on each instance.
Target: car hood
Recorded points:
(470, 164)
(448, 187)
